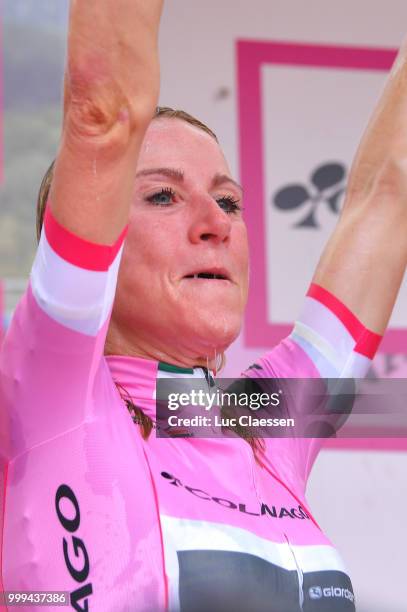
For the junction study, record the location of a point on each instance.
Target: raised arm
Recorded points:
(356, 281)
(59, 326)
(365, 259)
(111, 90)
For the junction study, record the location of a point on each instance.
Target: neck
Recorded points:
(118, 344)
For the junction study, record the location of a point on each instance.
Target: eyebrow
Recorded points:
(178, 176)
(173, 173)
(220, 179)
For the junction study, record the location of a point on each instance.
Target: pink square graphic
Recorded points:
(251, 55)
(1, 106)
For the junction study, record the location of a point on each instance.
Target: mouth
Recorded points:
(214, 274)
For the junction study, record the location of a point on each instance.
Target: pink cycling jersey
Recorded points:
(125, 524)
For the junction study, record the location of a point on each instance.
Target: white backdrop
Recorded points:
(357, 496)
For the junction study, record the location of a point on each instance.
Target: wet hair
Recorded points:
(161, 112)
(170, 113)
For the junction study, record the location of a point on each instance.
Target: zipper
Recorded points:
(299, 574)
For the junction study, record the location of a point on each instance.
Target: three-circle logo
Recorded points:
(315, 592)
(327, 186)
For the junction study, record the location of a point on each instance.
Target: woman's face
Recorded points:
(185, 220)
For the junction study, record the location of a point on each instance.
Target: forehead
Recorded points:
(176, 143)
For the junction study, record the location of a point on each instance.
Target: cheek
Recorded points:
(241, 250)
(136, 254)
(137, 288)
(144, 244)
(150, 254)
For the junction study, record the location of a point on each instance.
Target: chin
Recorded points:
(215, 332)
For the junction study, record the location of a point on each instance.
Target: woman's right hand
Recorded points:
(111, 91)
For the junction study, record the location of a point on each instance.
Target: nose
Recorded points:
(210, 223)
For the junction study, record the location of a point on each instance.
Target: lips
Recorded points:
(211, 274)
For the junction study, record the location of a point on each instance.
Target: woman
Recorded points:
(96, 504)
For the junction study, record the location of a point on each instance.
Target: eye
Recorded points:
(229, 204)
(162, 198)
